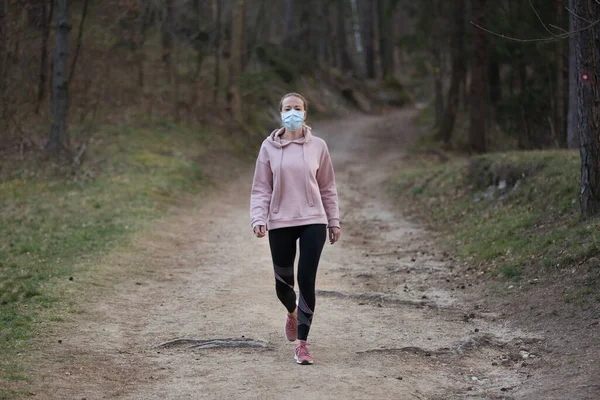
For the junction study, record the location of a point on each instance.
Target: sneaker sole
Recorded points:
(305, 362)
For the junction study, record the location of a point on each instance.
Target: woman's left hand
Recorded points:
(334, 234)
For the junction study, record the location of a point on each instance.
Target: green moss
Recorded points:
(48, 222)
(532, 225)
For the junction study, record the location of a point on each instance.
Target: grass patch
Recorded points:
(49, 222)
(515, 213)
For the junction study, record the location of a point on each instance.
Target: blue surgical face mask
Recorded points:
(293, 119)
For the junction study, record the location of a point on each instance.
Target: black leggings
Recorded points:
(283, 251)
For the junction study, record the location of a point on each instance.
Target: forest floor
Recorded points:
(396, 318)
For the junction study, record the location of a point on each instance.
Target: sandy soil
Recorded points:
(392, 318)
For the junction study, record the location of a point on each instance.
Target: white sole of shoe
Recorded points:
(303, 362)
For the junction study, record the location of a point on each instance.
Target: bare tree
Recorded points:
(588, 104)
(288, 29)
(478, 95)
(560, 79)
(367, 35)
(60, 86)
(458, 72)
(167, 38)
(3, 60)
(79, 40)
(343, 58)
(46, 19)
(436, 55)
(217, 11)
(237, 46)
(572, 119)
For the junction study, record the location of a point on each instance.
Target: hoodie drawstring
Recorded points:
(278, 184)
(306, 179)
(277, 196)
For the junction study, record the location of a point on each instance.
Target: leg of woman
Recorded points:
(312, 240)
(283, 252)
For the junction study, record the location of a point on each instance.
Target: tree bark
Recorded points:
(588, 103)
(436, 55)
(560, 79)
(60, 87)
(288, 29)
(367, 37)
(343, 57)
(167, 38)
(458, 72)
(323, 26)
(3, 62)
(237, 33)
(572, 119)
(47, 18)
(386, 37)
(478, 93)
(217, 54)
(79, 40)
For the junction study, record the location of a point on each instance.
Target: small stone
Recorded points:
(59, 341)
(476, 330)
(70, 278)
(510, 287)
(138, 283)
(494, 364)
(399, 378)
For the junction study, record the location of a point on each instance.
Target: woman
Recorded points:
(294, 197)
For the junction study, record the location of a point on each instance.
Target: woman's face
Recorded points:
(292, 103)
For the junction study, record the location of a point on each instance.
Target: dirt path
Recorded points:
(385, 326)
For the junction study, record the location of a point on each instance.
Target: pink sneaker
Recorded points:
(302, 355)
(291, 326)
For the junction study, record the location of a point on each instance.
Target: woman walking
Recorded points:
(294, 197)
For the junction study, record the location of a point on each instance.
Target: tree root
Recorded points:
(370, 296)
(214, 343)
(409, 349)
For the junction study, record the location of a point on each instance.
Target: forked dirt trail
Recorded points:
(386, 326)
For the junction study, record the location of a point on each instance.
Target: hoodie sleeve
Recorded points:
(262, 189)
(326, 180)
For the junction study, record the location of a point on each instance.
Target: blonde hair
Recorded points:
(293, 94)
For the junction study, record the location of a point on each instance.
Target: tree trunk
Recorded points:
(323, 26)
(47, 19)
(288, 29)
(343, 57)
(478, 93)
(376, 40)
(436, 55)
(237, 33)
(367, 37)
(588, 104)
(386, 36)
(560, 79)
(60, 87)
(458, 72)
(167, 39)
(3, 62)
(79, 40)
(572, 131)
(217, 12)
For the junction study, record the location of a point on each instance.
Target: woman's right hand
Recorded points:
(260, 231)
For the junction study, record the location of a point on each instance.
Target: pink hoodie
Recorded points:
(294, 183)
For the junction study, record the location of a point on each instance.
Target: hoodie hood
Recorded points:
(274, 138)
